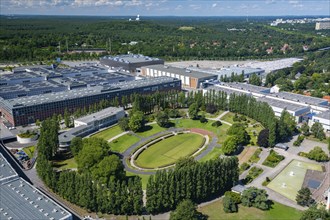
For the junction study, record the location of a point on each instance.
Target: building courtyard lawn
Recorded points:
(150, 129)
(214, 211)
(108, 133)
(289, 181)
(122, 143)
(169, 150)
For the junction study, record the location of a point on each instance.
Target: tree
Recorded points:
(314, 213)
(211, 108)
(123, 124)
(263, 138)
(76, 145)
(185, 162)
(229, 205)
(303, 197)
(255, 197)
(230, 145)
(186, 210)
(317, 131)
(162, 119)
(193, 111)
(255, 80)
(305, 129)
(317, 154)
(109, 169)
(67, 119)
(136, 121)
(239, 131)
(202, 119)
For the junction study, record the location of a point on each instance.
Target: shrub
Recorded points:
(317, 154)
(216, 124)
(244, 166)
(211, 108)
(273, 159)
(235, 196)
(299, 140)
(254, 172)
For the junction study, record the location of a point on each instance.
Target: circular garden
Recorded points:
(167, 150)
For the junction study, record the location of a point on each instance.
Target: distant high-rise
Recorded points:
(322, 25)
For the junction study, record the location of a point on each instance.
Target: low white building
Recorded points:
(323, 118)
(90, 124)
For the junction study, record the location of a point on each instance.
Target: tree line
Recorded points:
(191, 180)
(100, 185)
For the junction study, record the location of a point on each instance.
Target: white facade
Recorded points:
(323, 119)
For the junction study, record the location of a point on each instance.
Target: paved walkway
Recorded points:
(219, 117)
(117, 136)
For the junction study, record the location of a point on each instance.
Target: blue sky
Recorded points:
(167, 7)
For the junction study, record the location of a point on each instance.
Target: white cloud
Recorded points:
(214, 5)
(269, 2)
(195, 7)
(293, 2)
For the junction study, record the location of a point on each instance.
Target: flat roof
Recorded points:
(6, 170)
(70, 134)
(246, 87)
(227, 90)
(238, 188)
(181, 71)
(324, 115)
(300, 98)
(84, 92)
(282, 104)
(100, 114)
(20, 200)
(130, 58)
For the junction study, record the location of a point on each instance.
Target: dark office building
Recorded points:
(26, 110)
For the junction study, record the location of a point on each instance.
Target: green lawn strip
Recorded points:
(109, 133)
(291, 178)
(213, 154)
(29, 151)
(65, 164)
(221, 131)
(167, 151)
(150, 130)
(123, 143)
(255, 157)
(214, 211)
(312, 138)
(144, 178)
(209, 115)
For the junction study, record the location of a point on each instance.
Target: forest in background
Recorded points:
(37, 38)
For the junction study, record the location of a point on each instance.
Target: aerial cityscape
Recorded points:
(165, 110)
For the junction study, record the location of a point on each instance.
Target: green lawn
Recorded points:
(208, 115)
(65, 164)
(214, 211)
(256, 130)
(109, 133)
(144, 178)
(150, 130)
(230, 115)
(29, 151)
(123, 143)
(169, 150)
(213, 154)
(291, 178)
(221, 131)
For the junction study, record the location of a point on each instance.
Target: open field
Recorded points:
(144, 178)
(123, 143)
(65, 164)
(168, 151)
(290, 180)
(221, 131)
(108, 133)
(150, 130)
(213, 154)
(246, 154)
(214, 211)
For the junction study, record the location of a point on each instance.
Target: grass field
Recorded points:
(246, 154)
(230, 115)
(150, 130)
(29, 151)
(221, 131)
(109, 133)
(214, 211)
(287, 183)
(169, 150)
(215, 153)
(144, 178)
(123, 143)
(65, 164)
